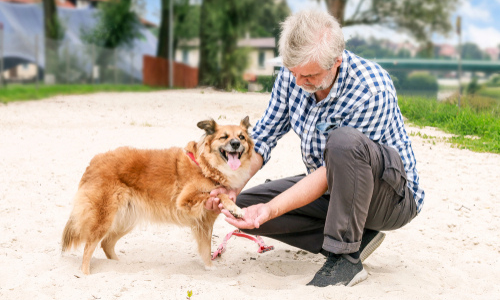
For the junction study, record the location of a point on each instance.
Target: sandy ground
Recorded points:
(450, 251)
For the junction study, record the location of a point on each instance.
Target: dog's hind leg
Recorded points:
(109, 242)
(125, 220)
(87, 255)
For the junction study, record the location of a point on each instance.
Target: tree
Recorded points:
(164, 32)
(53, 27)
(222, 24)
(266, 19)
(234, 60)
(54, 33)
(186, 24)
(471, 51)
(419, 18)
(209, 37)
(117, 26)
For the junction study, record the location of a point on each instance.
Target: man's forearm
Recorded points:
(256, 162)
(302, 193)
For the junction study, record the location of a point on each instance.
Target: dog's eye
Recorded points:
(242, 137)
(224, 137)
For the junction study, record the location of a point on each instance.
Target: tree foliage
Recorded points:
(209, 48)
(53, 27)
(419, 18)
(186, 24)
(118, 25)
(223, 23)
(471, 51)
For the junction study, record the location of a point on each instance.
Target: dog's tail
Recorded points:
(71, 236)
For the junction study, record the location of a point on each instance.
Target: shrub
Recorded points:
(473, 87)
(267, 83)
(421, 81)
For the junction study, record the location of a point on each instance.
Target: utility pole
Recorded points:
(36, 61)
(1, 54)
(459, 33)
(171, 45)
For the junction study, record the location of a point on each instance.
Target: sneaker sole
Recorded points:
(372, 245)
(362, 275)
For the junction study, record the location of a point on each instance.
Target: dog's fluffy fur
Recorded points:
(120, 188)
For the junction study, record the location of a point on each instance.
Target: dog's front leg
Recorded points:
(231, 206)
(203, 235)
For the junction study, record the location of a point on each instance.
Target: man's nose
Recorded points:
(300, 80)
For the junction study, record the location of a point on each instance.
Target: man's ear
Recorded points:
(245, 122)
(208, 125)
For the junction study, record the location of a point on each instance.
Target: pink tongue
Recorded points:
(233, 161)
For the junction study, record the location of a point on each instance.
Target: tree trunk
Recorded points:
(163, 34)
(337, 9)
(50, 19)
(229, 45)
(208, 68)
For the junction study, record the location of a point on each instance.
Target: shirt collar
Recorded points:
(335, 92)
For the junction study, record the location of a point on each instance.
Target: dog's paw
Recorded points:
(238, 213)
(210, 268)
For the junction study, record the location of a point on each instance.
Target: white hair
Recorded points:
(309, 36)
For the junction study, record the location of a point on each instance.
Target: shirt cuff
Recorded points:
(264, 150)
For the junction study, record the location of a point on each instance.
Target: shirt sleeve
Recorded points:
(275, 122)
(374, 115)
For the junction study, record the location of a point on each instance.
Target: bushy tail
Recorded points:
(71, 236)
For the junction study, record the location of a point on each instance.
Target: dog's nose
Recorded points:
(235, 144)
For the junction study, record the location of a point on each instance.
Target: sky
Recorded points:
(480, 22)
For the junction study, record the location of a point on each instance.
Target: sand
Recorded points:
(450, 251)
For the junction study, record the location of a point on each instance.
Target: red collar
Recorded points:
(191, 155)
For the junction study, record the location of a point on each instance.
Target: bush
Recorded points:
(267, 83)
(473, 87)
(494, 81)
(421, 81)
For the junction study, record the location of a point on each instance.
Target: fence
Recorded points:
(29, 59)
(155, 73)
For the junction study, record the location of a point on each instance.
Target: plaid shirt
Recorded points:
(363, 97)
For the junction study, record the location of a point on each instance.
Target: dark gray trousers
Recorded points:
(366, 189)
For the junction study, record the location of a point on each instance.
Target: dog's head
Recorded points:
(226, 147)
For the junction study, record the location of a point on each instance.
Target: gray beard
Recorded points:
(327, 82)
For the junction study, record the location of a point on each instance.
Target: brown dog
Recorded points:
(122, 187)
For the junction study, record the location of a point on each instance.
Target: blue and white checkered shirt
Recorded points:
(363, 97)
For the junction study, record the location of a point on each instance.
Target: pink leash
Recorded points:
(222, 248)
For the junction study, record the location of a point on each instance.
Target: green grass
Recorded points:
(476, 125)
(13, 92)
(477, 129)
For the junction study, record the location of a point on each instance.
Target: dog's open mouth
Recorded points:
(232, 158)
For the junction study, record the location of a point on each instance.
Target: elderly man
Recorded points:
(361, 167)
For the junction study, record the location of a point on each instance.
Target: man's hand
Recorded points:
(255, 216)
(213, 203)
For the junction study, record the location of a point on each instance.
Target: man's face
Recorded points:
(312, 78)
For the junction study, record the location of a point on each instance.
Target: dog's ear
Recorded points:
(245, 122)
(208, 125)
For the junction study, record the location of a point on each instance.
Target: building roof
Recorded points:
(268, 42)
(247, 42)
(59, 3)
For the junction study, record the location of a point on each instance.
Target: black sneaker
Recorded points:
(339, 269)
(370, 241)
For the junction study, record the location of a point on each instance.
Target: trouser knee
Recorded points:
(341, 143)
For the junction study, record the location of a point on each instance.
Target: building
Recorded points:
(493, 53)
(261, 50)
